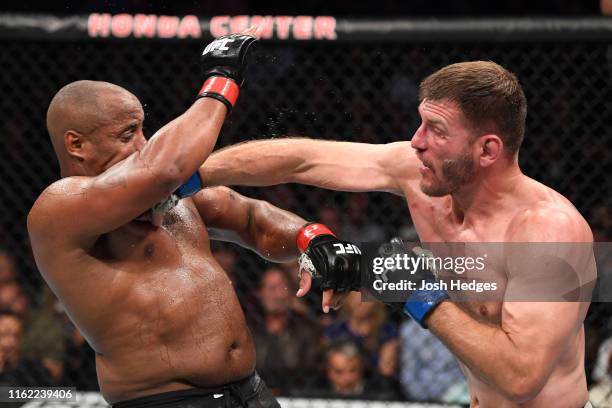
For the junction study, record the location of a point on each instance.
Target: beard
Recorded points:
(455, 174)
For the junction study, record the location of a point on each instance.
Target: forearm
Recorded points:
(180, 147)
(488, 352)
(343, 166)
(274, 232)
(258, 163)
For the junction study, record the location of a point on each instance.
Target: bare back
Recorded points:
(154, 304)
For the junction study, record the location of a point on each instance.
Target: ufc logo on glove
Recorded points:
(346, 249)
(220, 45)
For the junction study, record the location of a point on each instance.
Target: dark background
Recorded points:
(358, 91)
(337, 8)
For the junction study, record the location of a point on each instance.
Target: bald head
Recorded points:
(82, 107)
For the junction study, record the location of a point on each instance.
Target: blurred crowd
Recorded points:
(362, 351)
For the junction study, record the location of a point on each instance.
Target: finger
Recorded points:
(328, 294)
(305, 284)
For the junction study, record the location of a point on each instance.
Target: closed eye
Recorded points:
(128, 133)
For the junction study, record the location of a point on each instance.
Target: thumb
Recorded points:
(305, 284)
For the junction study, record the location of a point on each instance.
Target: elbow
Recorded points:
(168, 178)
(170, 165)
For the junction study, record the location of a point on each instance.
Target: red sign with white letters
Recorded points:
(159, 26)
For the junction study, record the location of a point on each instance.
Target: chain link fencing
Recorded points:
(364, 92)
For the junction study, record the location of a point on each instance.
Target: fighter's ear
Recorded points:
(491, 149)
(73, 142)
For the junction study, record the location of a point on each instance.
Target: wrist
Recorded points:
(309, 232)
(221, 88)
(191, 186)
(422, 303)
(187, 189)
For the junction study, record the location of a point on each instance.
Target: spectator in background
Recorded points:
(80, 363)
(598, 326)
(606, 7)
(366, 323)
(347, 376)
(15, 369)
(602, 370)
(601, 394)
(46, 329)
(329, 216)
(428, 370)
(286, 342)
(13, 297)
(357, 223)
(8, 273)
(309, 305)
(600, 219)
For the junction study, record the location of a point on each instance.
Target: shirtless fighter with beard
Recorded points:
(460, 176)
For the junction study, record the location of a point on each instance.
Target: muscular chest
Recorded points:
(182, 232)
(469, 260)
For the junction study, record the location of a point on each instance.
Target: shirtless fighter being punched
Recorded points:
(123, 241)
(460, 176)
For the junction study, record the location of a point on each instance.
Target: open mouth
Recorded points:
(425, 167)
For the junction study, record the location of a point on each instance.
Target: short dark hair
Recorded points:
(489, 96)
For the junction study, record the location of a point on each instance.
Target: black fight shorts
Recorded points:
(251, 392)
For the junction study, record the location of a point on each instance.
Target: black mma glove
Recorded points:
(223, 64)
(335, 262)
(419, 302)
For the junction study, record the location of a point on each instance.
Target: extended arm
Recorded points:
(328, 164)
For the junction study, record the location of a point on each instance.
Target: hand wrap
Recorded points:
(336, 263)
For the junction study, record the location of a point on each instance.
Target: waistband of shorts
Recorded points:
(172, 397)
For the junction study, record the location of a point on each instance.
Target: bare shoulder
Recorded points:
(550, 252)
(52, 209)
(551, 218)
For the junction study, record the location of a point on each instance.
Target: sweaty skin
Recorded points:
(514, 354)
(151, 300)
